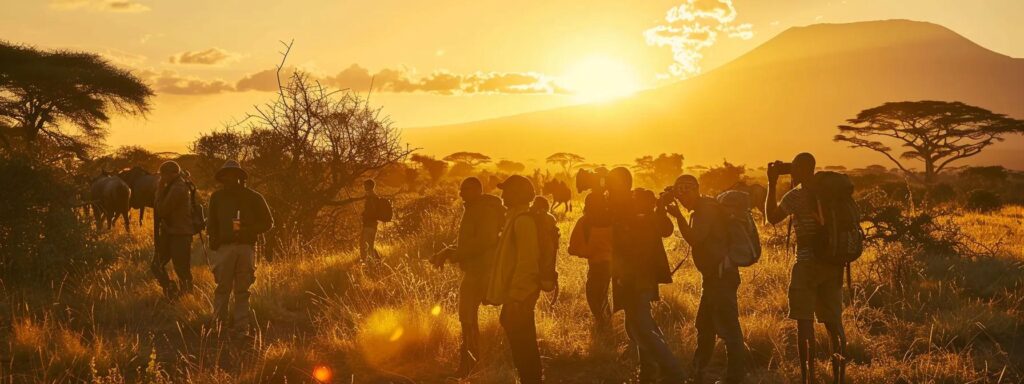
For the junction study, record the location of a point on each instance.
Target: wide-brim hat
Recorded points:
(231, 167)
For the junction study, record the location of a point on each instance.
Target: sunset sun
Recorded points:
(599, 78)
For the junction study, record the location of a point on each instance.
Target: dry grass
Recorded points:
(955, 320)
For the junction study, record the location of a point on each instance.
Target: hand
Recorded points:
(773, 172)
(673, 210)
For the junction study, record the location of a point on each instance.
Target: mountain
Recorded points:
(785, 96)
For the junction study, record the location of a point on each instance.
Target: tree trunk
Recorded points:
(929, 171)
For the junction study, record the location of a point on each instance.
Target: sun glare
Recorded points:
(599, 78)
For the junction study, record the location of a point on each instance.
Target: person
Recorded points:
(717, 313)
(238, 215)
(368, 236)
(540, 209)
(482, 220)
(172, 230)
(515, 280)
(639, 265)
(591, 239)
(815, 288)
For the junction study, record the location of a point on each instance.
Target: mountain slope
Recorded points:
(785, 96)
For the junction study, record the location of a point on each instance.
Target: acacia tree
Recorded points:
(510, 167)
(304, 151)
(566, 160)
(936, 133)
(472, 159)
(660, 170)
(61, 100)
(435, 168)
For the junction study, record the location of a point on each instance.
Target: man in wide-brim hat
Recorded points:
(238, 215)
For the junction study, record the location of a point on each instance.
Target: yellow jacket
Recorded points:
(516, 271)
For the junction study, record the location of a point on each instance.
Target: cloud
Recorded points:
(123, 58)
(265, 80)
(170, 82)
(358, 78)
(692, 27)
(212, 56)
(124, 6)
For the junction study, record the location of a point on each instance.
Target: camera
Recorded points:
(587, 180)
(781, 168)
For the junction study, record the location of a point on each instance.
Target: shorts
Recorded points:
(816, 291)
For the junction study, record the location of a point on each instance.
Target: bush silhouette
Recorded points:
(983, 201)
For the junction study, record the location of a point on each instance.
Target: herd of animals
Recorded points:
(112, 195)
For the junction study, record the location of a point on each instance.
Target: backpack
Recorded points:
(743, 243)
(841, 239)
(385, 212)
(547, 242)
(198, 210)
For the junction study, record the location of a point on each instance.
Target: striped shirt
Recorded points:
(801, 204)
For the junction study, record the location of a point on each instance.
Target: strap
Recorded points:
(849, 282)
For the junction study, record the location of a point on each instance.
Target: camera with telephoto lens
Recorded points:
(590, 180)
(781, 167)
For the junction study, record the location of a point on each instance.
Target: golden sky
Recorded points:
(438, 62)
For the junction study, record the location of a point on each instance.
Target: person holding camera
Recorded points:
(482, 219)
(815, 288)
(639, 265)
(718, 312)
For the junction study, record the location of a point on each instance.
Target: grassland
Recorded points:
(915, 317)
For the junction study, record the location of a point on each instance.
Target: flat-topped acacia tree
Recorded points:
(936, 133)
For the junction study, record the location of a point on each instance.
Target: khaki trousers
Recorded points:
(234, 270)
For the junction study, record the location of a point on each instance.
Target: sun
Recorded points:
(600, 78)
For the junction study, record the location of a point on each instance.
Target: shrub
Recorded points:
(941, 193)
(42, 237)
(983, 201)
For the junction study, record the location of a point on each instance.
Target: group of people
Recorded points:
(506, 249)
(502, 249)
(236, 216)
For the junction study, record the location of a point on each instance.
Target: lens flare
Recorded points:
(436, 311)
(322, 374)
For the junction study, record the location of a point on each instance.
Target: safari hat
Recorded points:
(231, 167)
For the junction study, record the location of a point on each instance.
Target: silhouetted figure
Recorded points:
(591, 239)
(515, 281)
(718, 313)
(371, 215)
(547, 240)
(639, 265)
(482, 221)
(815, 289)
(238, 215)
(172, 230)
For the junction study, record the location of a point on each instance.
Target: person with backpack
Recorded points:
(172, 231)
(238, 215)
(479, 229)
(815, 289)
(639, 265)
(547, 239)
(591, 239)
(516, 277)
(717, 313)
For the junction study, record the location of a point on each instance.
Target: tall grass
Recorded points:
(953, 319)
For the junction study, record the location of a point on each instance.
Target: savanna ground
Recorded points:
(915, 317)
